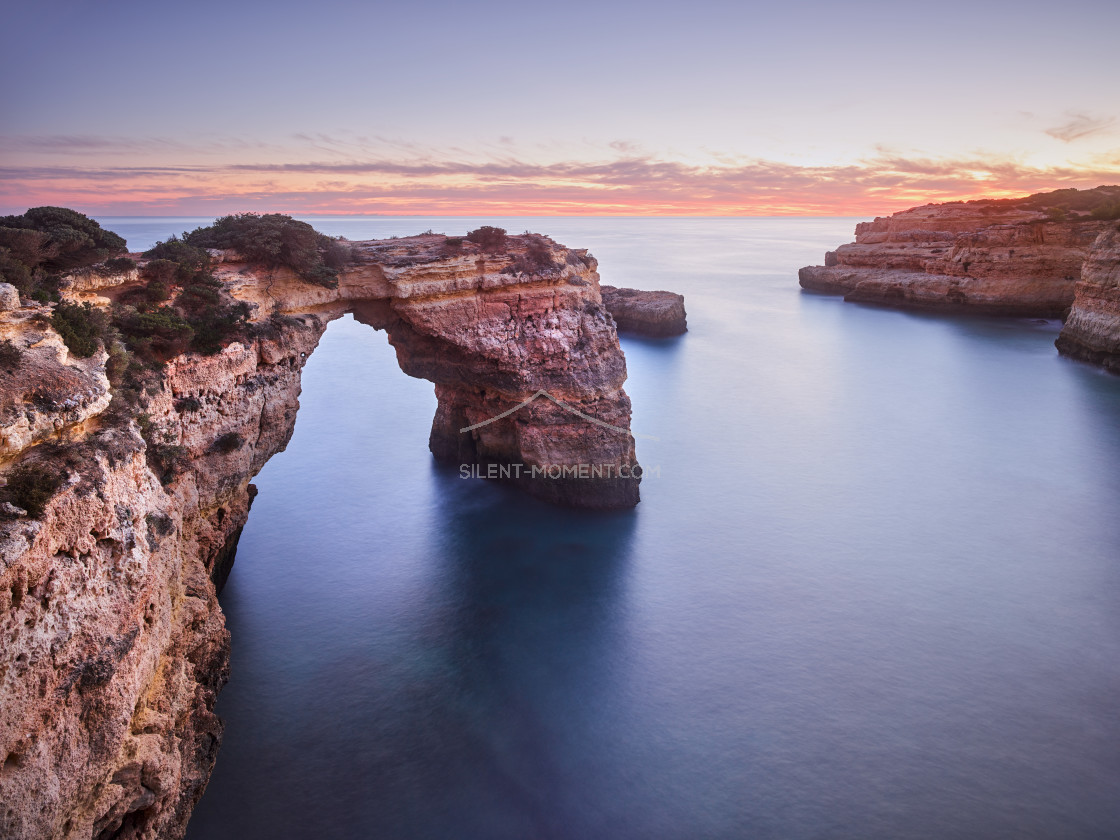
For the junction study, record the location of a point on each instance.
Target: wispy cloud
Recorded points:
(1081, 125)
(63, 145)
(628, 183)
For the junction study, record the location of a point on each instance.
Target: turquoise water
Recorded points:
(873, 593)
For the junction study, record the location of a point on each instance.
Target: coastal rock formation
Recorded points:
(48, 393)
(654, 314)
(114, 645)
(491, 330)
(1007, 257)
(1092, 330)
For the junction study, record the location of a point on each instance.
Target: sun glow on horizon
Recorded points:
(437, 120)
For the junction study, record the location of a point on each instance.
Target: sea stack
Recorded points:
(653, 314)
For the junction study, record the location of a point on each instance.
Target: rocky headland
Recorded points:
(1050, 255)
(1006, 257)
(653, 314)
(140, 397)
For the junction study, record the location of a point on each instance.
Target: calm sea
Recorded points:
(873, 593)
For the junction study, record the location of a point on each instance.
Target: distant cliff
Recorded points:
(127, 458)
(1048, 255)
(1005, 257)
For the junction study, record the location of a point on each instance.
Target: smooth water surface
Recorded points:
(874, 591)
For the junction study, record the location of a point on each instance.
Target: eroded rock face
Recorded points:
(46, 393)
(114, 645)
(654, 314)
(978, 257)
(1092, 331)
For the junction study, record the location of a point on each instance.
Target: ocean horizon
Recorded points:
(870, 591)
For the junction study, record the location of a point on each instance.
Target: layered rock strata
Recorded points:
(985, 257)
(114, 646)
(654, 314)
(1092, 330)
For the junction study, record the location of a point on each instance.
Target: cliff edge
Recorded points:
(1092, 330)
(1005, 257)
(138, 399)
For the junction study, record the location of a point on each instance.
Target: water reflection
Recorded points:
(872, 594)
(435, 668)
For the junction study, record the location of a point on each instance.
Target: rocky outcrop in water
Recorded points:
(114, 646)
(1092, 330)
(492, 330)
(653, 314)
(1009, 257)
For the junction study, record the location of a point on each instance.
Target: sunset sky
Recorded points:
(819, 108)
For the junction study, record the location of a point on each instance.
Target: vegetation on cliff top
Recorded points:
(275, 240)
(488, 238)
(38, 247)
(1098, 204)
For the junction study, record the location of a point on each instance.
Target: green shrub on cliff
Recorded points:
(82, 327)
(1106, 211)
(189, 259)
(117, 265)
(217, 326)
(155, 335)
(30, 487)
(488, 238)
(1064, 203)
(15, 271)
(45, 242)
(227, 443)
(160, 271)
(275, 240)
(58, 239)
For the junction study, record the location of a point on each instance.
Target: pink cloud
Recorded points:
(629, 184)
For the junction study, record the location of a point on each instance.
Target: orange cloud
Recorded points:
(627, 185)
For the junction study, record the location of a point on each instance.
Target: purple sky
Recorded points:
(584, 107)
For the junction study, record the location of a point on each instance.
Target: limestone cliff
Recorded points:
(1092, 330)
(1012, 257)
(114, 646)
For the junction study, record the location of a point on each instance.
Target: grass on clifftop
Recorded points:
(1098, 204)
(275, 240)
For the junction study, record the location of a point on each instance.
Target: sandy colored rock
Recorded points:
(1092, 330)
(655, 314)
(114, 645)
(987, 257)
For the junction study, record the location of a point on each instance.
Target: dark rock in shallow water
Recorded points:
(656, 314)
